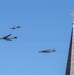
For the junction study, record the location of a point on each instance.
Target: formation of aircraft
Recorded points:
(47, 51)
(8, 38)
(15, 27)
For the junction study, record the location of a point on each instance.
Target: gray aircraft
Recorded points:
(47, 51)
(8, 38)
(15, 27)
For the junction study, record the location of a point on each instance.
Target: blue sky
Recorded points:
(46, 24)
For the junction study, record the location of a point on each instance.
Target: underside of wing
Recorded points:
(8, 39)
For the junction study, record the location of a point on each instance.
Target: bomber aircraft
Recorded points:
(47, 51)
(8, 38)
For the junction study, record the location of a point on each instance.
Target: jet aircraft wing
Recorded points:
(7, 36)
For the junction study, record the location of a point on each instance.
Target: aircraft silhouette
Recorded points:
(8, 38)
(15, 27)
(47, 51)
(18, 26)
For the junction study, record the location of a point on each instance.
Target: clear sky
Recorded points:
(46, 24)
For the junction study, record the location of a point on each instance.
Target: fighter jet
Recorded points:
(8, 38)
(15, 27)
(47, 51)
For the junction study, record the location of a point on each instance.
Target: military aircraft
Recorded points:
(47, 51)
(18, 26)
(15, 27)
(8, 38)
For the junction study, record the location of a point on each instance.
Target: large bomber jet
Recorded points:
(8, 38)
(47, 51)
(15, 27)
